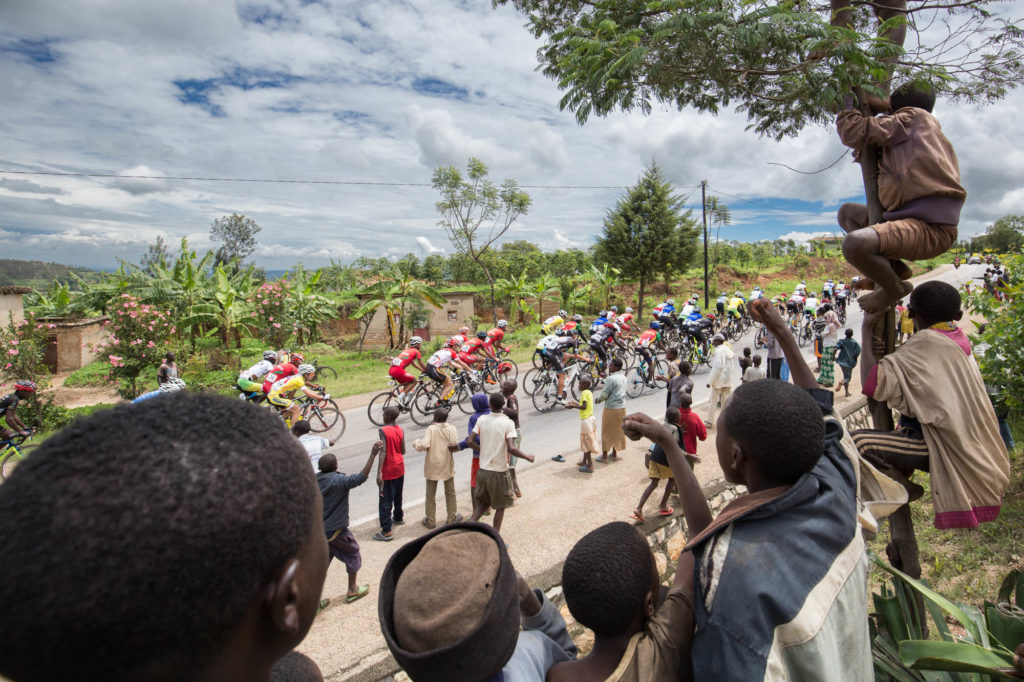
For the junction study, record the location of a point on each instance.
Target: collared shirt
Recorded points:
(614, 392)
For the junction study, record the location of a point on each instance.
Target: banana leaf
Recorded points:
(1005, 624)
(954, 656)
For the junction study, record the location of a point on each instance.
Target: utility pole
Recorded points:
(704, 214)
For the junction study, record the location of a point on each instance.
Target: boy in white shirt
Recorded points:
(496, 436)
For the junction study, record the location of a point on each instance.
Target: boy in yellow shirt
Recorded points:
(588, 425)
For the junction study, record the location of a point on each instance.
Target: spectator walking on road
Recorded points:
(440, 440)
(829, 339)
(588, 425)
(847, 352)
(390, 476)
(334, 487)
(495, 435)
(723, 376)
(613, 395)
(511, 410)
(658, 470)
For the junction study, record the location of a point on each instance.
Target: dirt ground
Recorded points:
(80, 397)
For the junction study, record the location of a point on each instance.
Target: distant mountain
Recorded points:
(37, 274)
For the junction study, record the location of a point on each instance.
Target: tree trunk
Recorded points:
(640, 302)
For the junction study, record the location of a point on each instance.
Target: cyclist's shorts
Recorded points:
(400, 375)
(468, 359)
(720, 307)
(555, 358)
(733, 312)
(435, 374)
(250, 386)
(277, 400)
(791, 306)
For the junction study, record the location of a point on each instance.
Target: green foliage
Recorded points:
(998, 346)
(395, 294)
(269, 311)
(237, 234)
(23, 345)
(139, 336)
(34, 273)
(57, 301)
(1006, 235)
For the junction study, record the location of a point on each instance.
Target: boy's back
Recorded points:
(334, 487)
(394, 443)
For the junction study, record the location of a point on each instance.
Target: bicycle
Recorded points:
(13, 452)
(645, 375)
(805, 332)
(700, 353)
(323, 416)
(389, 398)
(495, 371)
(428, 394)
(323, 370)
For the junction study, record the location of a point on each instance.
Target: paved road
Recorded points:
(544, 435)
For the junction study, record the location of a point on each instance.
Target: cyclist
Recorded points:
(663, 312)
(23, 390)
(279, 393)
(721, 303)
(756, 293)
(556, 350)
(623, 321)
(842, 293)
(172, 385)
(811, 304)
(285, 369)
(795, 304)
(554, 322)
(644, 342)
(472, 346)
(828, 289)
(461, 337)
(690, 306)
(398, 371)
(802, 288)
(496, 336)
(575, 323)
(598, 338)
(250, 381)
(602, 320)
(437, 362)
(737, 305)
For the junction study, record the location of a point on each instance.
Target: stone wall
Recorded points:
(73, 343)
(11, 304)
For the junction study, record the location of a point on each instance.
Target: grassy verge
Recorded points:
(968, 565)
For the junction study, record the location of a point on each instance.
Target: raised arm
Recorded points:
(763, 311)
(374, 451)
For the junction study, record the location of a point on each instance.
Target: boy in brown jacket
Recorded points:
(918, 185)
(438, 465)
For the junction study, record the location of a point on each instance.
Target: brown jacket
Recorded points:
(919, 175)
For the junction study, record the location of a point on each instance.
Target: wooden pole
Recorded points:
(704, 215)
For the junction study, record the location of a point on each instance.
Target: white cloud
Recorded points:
(144, 184)
(427, 247)
(802, 237)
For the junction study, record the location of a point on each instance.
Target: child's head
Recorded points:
(685, 368)
(440, 415)
(296, 667)
(508, 387)
(616, 365)
(496, 401)
(610, 581)
(300, 428)
(672, 415)
(849, 333)
(390, 414)
(327, 463)
(585, 382)
(757, 360)
(223, 594)
(912, 95)
(933, 302)
(770, 432)
(747, 352)
(671, 354)
(685, 400)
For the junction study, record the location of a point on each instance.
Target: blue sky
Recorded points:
(380, 92)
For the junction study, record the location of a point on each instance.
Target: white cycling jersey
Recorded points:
(546, 341)
(441, 357)
(257, 371)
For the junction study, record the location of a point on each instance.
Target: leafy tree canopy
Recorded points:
(237, 234)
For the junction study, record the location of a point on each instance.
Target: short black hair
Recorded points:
(133, 544)
(685, 367)
(672, 415)
(757, 360)
(606, 577)
(296, 667)
(747, 352)
(935, 301)
(685, 399)
(913, 94)
(616, 363)
(585, 379)
(440, 415)
(779, 426)
(327, 463)
(673, 350)
(849, 333)
(301, 428)
(496, 401)
(390, 414)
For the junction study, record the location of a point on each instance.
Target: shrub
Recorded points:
(23, 347)
(271, 312)
(139, 335)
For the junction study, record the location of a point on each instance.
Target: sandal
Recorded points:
(637, 516)
(586, 470)
(323, 605)
(558, 458)
(666, 512)
(361, 592)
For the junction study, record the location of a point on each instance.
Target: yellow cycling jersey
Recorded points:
(734, 303)
(292, 383)
(551, 324)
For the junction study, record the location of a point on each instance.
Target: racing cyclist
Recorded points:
(496, 336)
(461, 337)
(795, 304)
(468, 352)
(598, 338)
(285, 369)
(623, 321)
(737, 305)
(721, 303)
(250, 381)
(23, 390)
(556, 349)
(828, 289)
(398, 371)
(756, 293)
(554, 323)
(644, 342)
(435, 369)
(692, 305)
(575, 323)
(279, 394)
(663, 312)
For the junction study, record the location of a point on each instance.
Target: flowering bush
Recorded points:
(139, 336)
(270, 312)
(23, 346)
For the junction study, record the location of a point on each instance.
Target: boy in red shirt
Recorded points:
(692, 427)
(390, 475)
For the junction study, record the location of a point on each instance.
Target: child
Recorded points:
(216, 576)
(848, 350)
(745, 362)
(658, 470)
(918, 185)
(495, 435)
(755, 371)
(671, 359)
(511, 410)
(439, 465)
(334, 487)
(692, 427)
(681, 383)
(480, 408)
(588, 425)
(809, 621)
(390, 476)
(314, 444)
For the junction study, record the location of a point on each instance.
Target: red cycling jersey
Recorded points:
(495, 336)
(625, 319)
(406, 357)
(279, 372)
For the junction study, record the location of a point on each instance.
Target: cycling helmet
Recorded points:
(297, 358)
(615, 308)
(450, 343)
(561, 332)
(738, 294)
(305, 369)
(502, 324)
(172, 385)
(670, 301)
(803, 281)
(628, 309)
(603, 313)
(25, 386)
(655, 325)
(562, 314)
(757, 287)
(721, 294)
(577, 318)
(464, 330)
(270, 355)
(481, 335)
(572, 331)
(415, 341)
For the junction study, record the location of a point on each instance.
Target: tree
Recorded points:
(157, 254)
(395, 292)
(648, 233)
(1006, 235)
(433, 269)
(238, 236)
(475, 213)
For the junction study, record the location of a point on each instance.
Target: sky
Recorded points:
(372, 92)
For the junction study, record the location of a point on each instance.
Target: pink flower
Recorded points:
(13, 351)
(150, 344)
(51, 326)
(277, 325)
(8, 366)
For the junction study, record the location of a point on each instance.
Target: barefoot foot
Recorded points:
(882, 299)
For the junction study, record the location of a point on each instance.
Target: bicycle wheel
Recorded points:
(735, 330)
(462, 398)
(759, 337)
(375, 410)
(423, 403)
(325, 372)
(545, 398)
(325, 419)
(508, 370)
(660, 369)
(532, 379)
(11, 459)
(537, 360)
(635, 381)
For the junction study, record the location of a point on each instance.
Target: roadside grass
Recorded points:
(968, 565)
(93, 374)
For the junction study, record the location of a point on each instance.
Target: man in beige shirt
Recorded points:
(439, 465)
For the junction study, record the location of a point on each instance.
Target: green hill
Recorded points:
(37, 274)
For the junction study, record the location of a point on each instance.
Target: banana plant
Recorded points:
(308, 309)
(228, 308)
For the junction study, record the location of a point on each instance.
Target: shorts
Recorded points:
(494, 489)
(913, 238)
(400, 375)
(468, 359)
(277, 400)
(249, 386)
(435, 374)
(659, 471)
(555, 358)
(343, 547)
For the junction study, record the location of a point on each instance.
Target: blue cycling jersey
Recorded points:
(598, 323)
(695, 316)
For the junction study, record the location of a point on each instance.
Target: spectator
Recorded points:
(296, 667)
(614, 396)
(480, 408)
(588, 426)
(756, 372)
(658, 470)
(390, 476)
(681, 383)
(313, 443)
(829, 338)
(168, 369)
(440, 440)
(495, 436)
(723, 376)
(511, 410)
(775, 355)
(138, 550)
(947, 425)
(334, 487)
(848, 350)
(745, 362)
(451, 606)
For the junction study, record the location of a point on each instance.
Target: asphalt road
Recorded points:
(544, 435)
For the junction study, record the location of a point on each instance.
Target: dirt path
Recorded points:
(80, 397)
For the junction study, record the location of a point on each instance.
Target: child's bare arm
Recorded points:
(510, 443)
(695, 507)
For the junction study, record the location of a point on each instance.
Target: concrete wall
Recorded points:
(10, 304)
(444, 321)
(73, 343)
